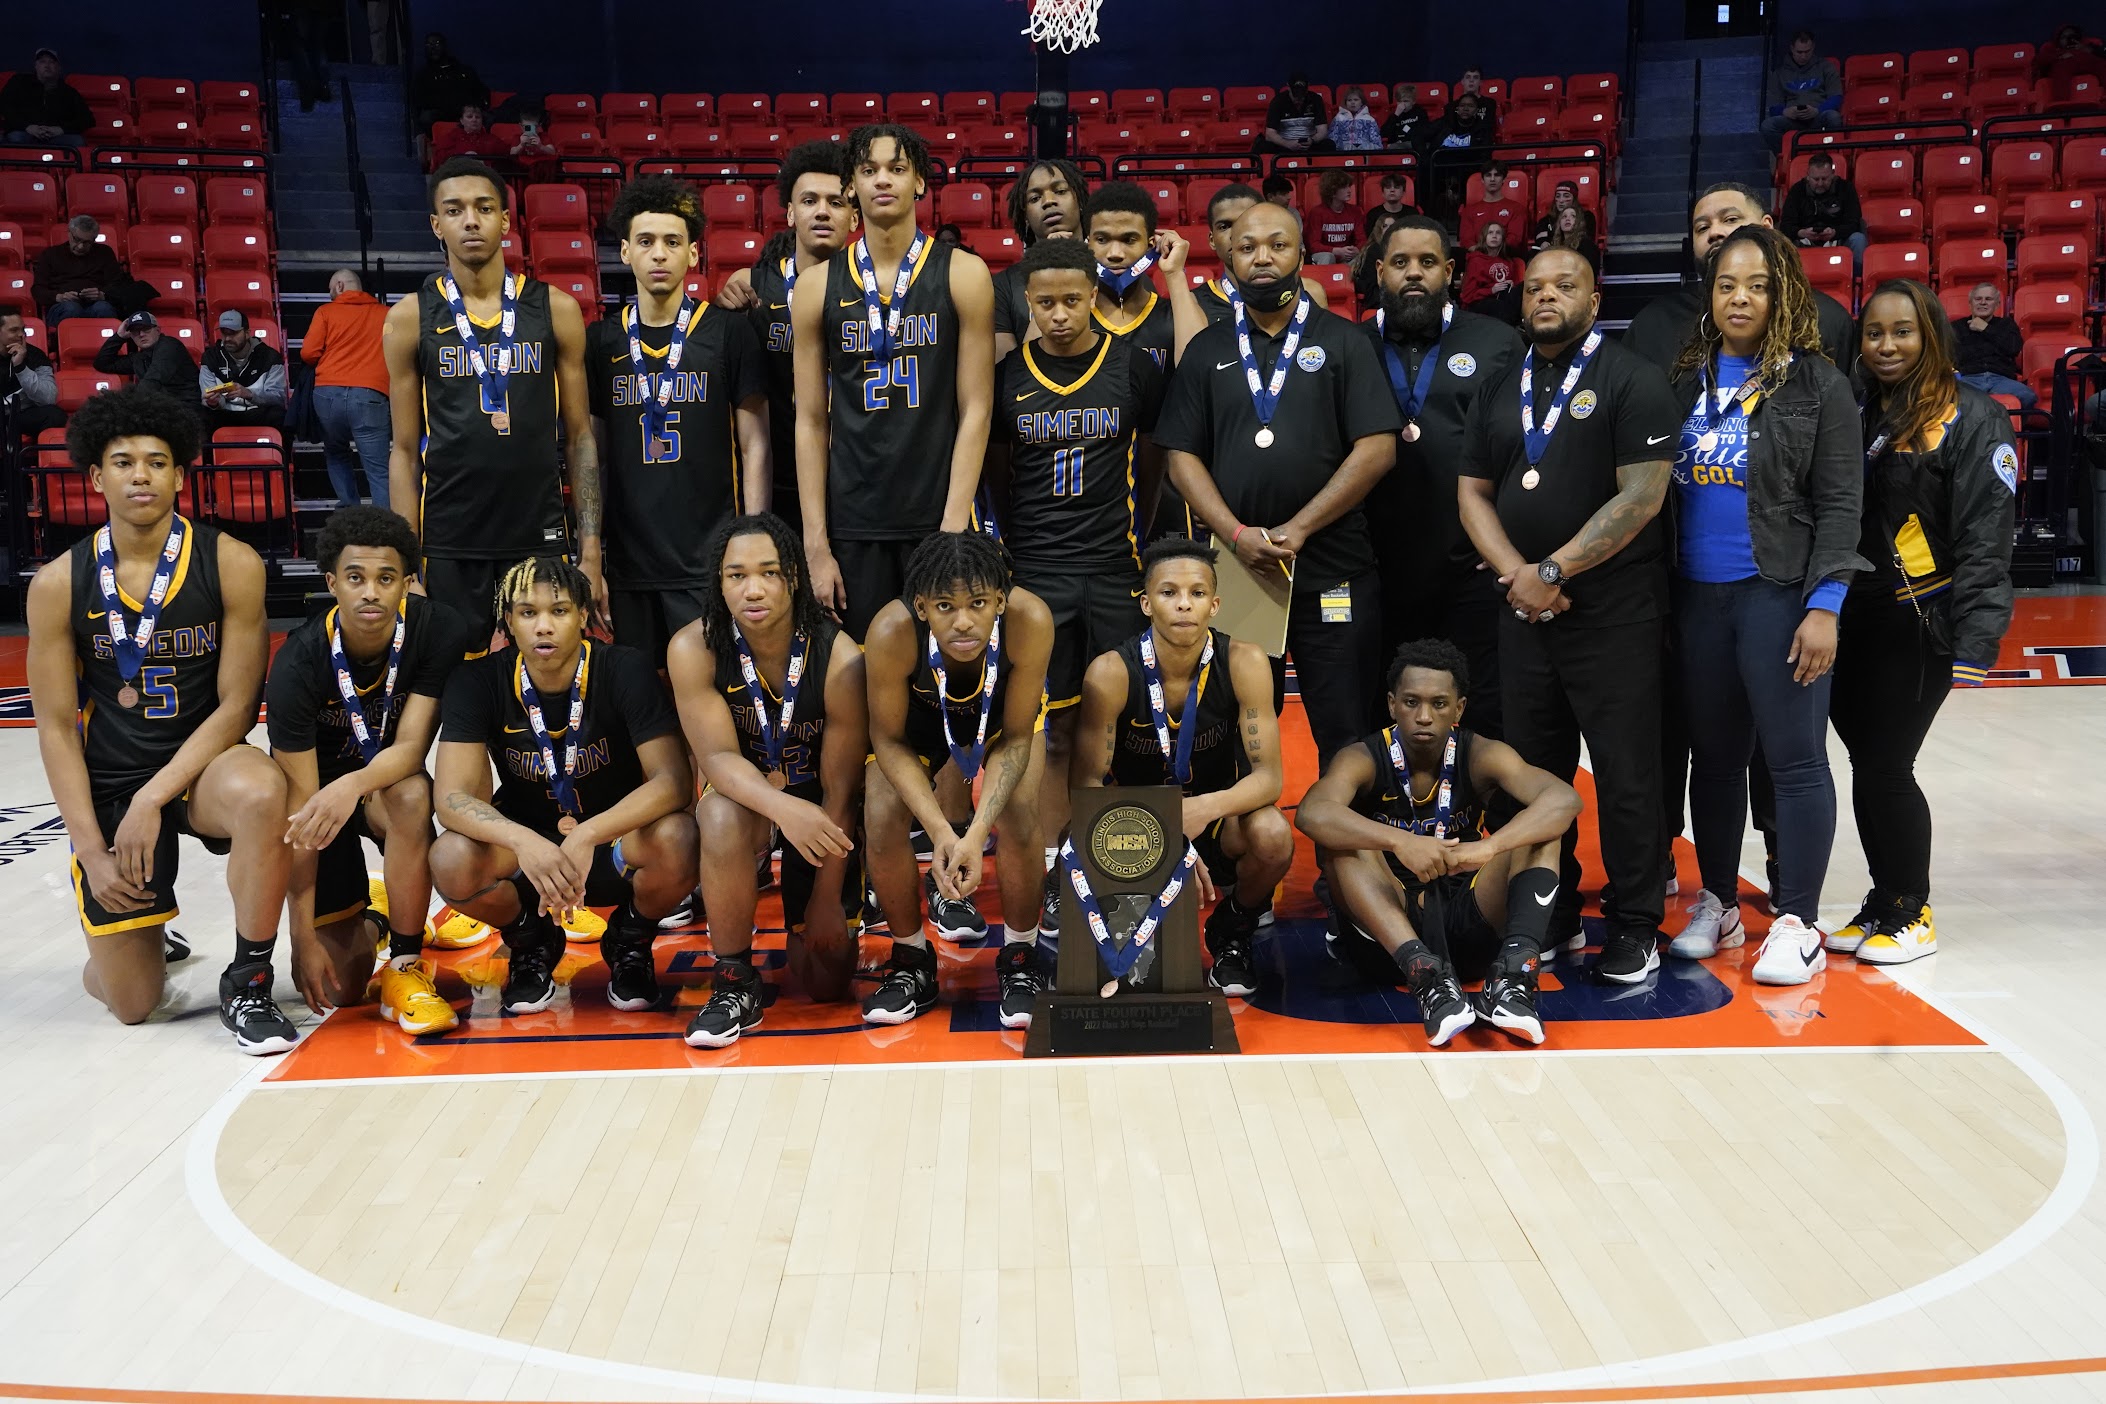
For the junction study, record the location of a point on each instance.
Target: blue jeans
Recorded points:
(2003, 385)
(355, 434)
(73, 307)
(67, 139)
(1734, 640)
(1776, 126)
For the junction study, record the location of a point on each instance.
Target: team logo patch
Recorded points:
(1583, 404)
(1462, 365)
(2005, 462)
(1310, 358)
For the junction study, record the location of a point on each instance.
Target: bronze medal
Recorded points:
(501, 421)
(568, 824)
(127, 696)
(779, 780)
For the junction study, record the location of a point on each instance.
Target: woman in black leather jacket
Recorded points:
(1941, 472)
(1768, 497)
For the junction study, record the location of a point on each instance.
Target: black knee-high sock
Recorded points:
(247, 952)
(1531, 894)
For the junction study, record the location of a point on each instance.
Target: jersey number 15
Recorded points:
(661, 448)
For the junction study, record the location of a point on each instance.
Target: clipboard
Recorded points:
(1254, 603)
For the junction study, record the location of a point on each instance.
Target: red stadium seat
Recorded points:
(571, 107)
(1950, 170)
(644, 105)
(29, 198)
(968, 204)
(233, 129)
(972, 106)
(735, 109)
(233, 199)
(2036, 361)
(1535, 123)
(174, 276)
(1999, 97)
(1089, 102)
(164, 128)
(166, 199)
(1965, 262)
(2083, 165)
(2061, 212)
(729, 207)
(1862, 70)
(576, 138)
(2018, 169)
(1433, 96)
(732, 248)
(1871, 104)
(250, 293)
(1883, 173)
(1884, 261)
(1177, 138)
(632, 136)
(2054, 309)
(1245, 101)
(1000, 247)
(1593, 87)
(1831, 271)
(513, 247)
(2003, 60)
(1588, 121)
(689, 105)
(1533, 92)
(1936, 101)
(103, 88)
(169, 94)
(584, 289)
(79, 338)
(1015, 107)
(1006, 140)
(758, 141)
(1169, 198)
(219, 95)
(13, 253)
(555, 206)
(249, 480)
(808, 108)
(855, 109)
(1891, 219)
(75, 386)
(2054, 258)
(564, 251)
(15, 291)
(1137, 104)
(106, 197)
(66, 498)
(1194, 104)
(189, 331)
(1938, 66)
(914, 109)
(2083, 93)
(1962, 217)
(236, 246)
(1955, 302)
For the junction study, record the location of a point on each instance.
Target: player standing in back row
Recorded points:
(480, 361)
(895, 385)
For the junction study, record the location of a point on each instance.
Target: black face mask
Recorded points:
(1271, 297)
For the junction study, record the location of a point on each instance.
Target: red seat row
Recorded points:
(244, 475)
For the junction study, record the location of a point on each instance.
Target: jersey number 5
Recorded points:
(159, 686)
(1067, 472)
(661, 448)
(901, 372)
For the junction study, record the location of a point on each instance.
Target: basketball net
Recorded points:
(1064, 25)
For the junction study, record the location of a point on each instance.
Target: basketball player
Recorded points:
(593, 808)
(480, 363)
(771, 697)
(354, 705)
(680, 400)
(1119, 225)
(147, 642)
(1076, 476)
(895, 383)
(1192, 309)
(813, 188)
(1399, 822)
(960, 617)
(1165, 708)
(1045, 202)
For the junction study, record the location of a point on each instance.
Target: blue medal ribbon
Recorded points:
(1265, 394)
(658, 391)
(1117, 283)
(1411, 399)
(774, 734)
(370, 738)
(129, 647)
(1444, 793)
(1119, 961)
(1536, 442)
(885, 321)
(967, 759)
(789, 278)
(495, 369)
(1180, 759)
(562, 782)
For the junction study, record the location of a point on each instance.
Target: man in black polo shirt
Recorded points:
(1277, 424)
(1439, 360)
(1564, 469)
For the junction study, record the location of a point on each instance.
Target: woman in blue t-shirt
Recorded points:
(1768, 493)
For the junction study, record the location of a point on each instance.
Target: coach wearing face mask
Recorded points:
(1278, 422)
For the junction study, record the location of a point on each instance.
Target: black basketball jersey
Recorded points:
(1389, 799)
(800, 752)
(1213, 300)
(1218, 760)
(667, 492)
(893, 421)
(770, 319)
(489, 495)
(1152, 329)
(925, 724)
(177, 683)
(1072, 423)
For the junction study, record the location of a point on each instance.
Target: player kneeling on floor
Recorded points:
(1421, 887)
(957, 675)
(1166, 708)
(354, 704)
(771, 698)
(593, 808)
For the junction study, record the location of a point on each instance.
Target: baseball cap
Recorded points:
(46, 52)
(138, 321)
(232, 320)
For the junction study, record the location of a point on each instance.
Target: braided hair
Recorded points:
(1020, 188)
(717, 627)
(947, 559)
(553, 571)
(1794, 322)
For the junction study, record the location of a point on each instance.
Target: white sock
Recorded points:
(1052, 857)
(1013, 937)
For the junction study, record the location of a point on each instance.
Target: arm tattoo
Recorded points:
(585, 485)
(1640, 488)
(1001, 781)
(469, 807)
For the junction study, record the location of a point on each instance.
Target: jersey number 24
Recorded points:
(901, 372)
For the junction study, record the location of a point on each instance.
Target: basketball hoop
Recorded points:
(1064, 25)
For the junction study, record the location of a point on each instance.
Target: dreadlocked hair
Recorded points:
(717, 627)
(946, 560)
(1176, 548)
(553, 571)
(1019, 189)
(1435, 656)
(1928, 392)
(1794, 324)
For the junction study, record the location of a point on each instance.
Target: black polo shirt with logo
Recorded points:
(1621, 412)
(1335, 394)
(1413, 508)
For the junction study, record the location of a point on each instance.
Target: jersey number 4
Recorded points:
(661, 448)
(901, 372)
(1067, 472)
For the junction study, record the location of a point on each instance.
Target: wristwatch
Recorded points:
(1549, 573)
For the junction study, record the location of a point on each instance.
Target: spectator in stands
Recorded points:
(1563, 197)
(1575, 231)
(1822, 210)
(242, 378)
(534, 153)
(472, 138)
(41, 108)
(142, 351)
(1331, 227)
(1400, 130)
(77, 278)
(949, 234)
(1367, 264)
(1456, 148)
(1492, 275)
(1472, 82)
(28, 384)
(1394, 206)
(1295, 121)
(1986, 347)
(2064, 59)
(444, 85)
(1353, 127)
(350, 388)
(1805, 93)
(1278, 189)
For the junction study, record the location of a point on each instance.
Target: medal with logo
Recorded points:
(128, 647)
(1411, 398)
(1536, 442)
(1444, 793)
(1120, 960)
(658, 390)
(369, 738)
(1265, 395)
(884, 322)
(495, 369)
(775, 735)
(967, 759)
(1178, 758)
(562, 781)
(1117, 283)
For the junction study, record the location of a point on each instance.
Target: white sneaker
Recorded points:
(1898, 945)
(1674, 885)
(1791, 954)
(1713, 927)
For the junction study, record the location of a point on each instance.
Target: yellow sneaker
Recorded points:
(1845, 939)
(377, 897)
(457, 933)
(411, 999)
(585, 925)
(1898, 945)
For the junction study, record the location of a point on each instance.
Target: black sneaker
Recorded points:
(1769, 869)
(173, 947)
(682, 915)
(1017, 969)
(530, 979)
(1627, 959)
(1444, 1008)
(259, 1026)
(632, 978)
(907, 988)
(734, 1007)
(1508, 1003)
(1229, 933)
(1049, 905)
(957, 919)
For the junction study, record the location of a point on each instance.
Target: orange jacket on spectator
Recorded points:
(343, 342)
